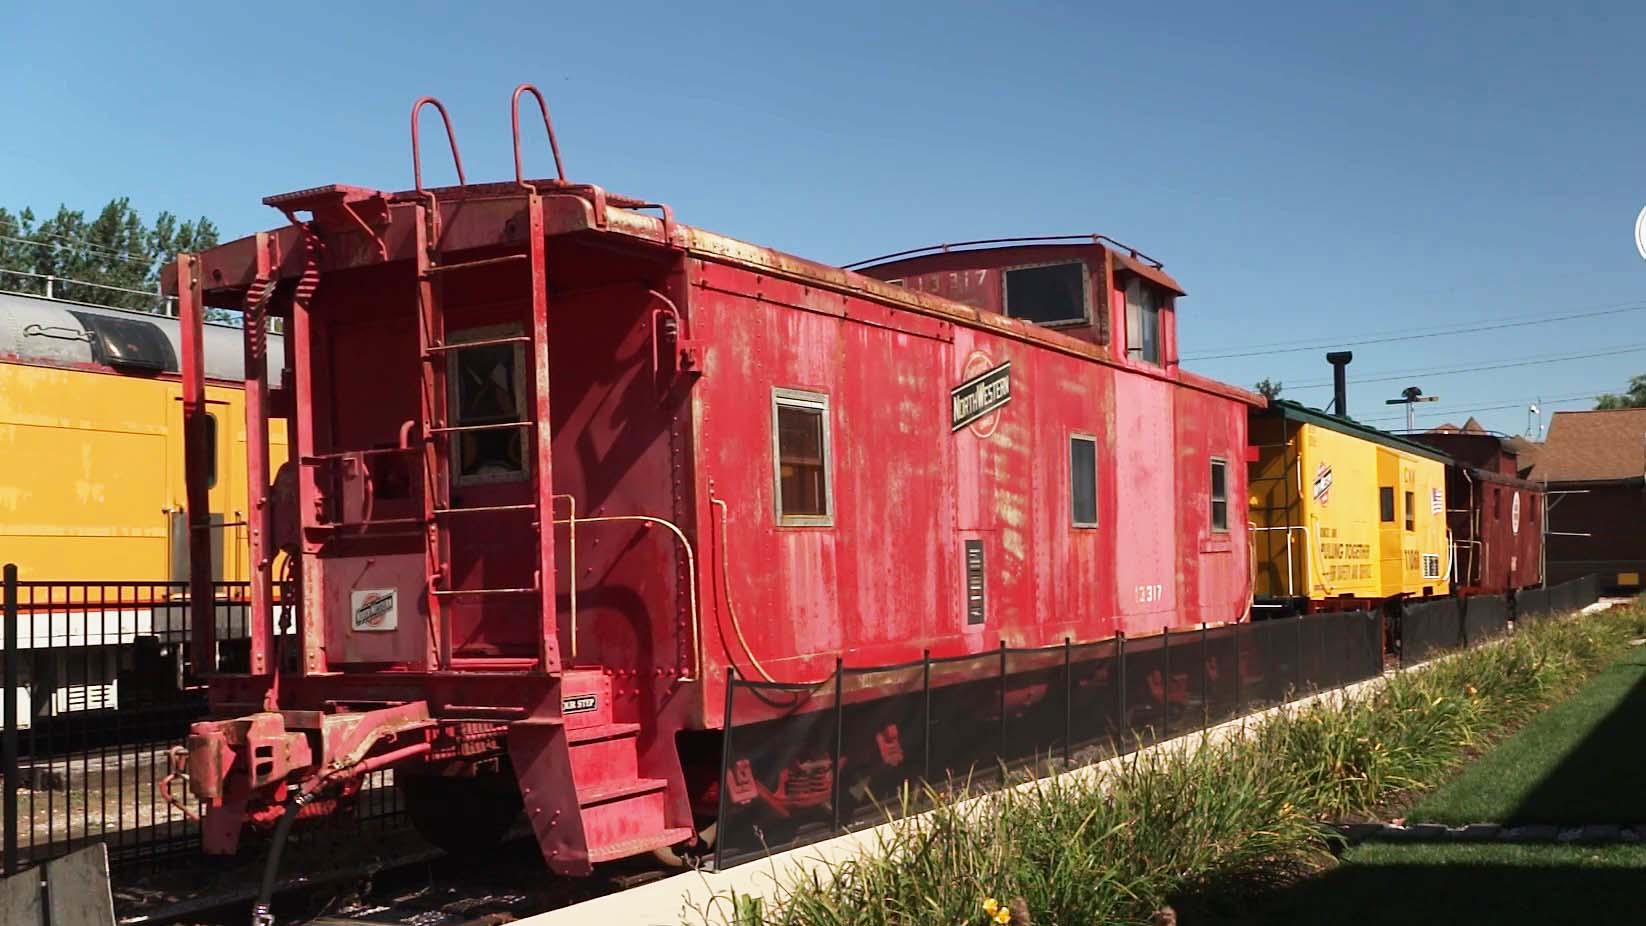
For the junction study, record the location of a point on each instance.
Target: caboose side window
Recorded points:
(1411, 516)
(1083, 480)
(1386, 504)
(1048, 294)
(486, 386)
(1220, 495)
(1142, 322)
(800, 448)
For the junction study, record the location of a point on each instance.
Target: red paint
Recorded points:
(649, 355)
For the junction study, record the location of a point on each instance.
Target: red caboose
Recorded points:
(560, 462)
(1494, 516)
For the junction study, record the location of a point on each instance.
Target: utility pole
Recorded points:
(1409, 397)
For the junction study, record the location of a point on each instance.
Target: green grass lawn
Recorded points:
(1581, 761)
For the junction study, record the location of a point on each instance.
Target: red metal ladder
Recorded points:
(438, 433)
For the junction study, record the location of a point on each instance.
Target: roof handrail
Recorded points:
(1025, 239)
(417, 155)
(514, 124)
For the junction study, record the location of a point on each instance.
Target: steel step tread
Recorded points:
(600, 731)
(611, 791)
(639, 844)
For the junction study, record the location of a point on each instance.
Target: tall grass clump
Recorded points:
(1114, 846)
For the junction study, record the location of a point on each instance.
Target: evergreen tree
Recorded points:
(81, 257)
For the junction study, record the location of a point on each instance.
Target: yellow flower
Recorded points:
(1003, 916)
(991, 906)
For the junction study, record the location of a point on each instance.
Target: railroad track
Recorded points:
(422, 887)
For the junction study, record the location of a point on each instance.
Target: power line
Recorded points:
(1271, 350)
(82, 242)
(1467, 409)
(63, 247)
(1454, 371)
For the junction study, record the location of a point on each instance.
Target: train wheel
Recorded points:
(461, 815)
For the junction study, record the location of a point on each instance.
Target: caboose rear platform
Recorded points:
(561, 464)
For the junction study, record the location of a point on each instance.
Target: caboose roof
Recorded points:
(1292, 411)
(365, 227)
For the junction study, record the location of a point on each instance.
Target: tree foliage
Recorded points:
(116, 248)
(1633, 397)
(1270, 389)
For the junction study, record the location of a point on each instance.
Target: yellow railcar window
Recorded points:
(211, 451)
(1411, 517)
(1386, 504)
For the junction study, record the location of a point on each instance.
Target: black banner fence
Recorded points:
(806, 762)
(98, 689)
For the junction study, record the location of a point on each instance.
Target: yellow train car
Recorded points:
(1342, 515)
(91, 488)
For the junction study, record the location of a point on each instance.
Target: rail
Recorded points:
(691, 576)
(417, 154)
(1024, 239)
(1289, 528)
(167, 304)
(514, 123)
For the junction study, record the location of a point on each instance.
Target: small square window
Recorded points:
(800, 437)
(1411, 515)
(1051, 294)
(1142, 322)
(486, 387)
(1220, 495)
(1386, 504)
(1083, 481)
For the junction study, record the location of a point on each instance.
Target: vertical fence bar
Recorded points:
(926, 716)
(1001, 755)
(839, 737)
(1068, 699)
(10, 744)
(1205, 684)
(1297, 663)
(1165, 731)
(1120, 690)
(1240, 669)
(725, 771)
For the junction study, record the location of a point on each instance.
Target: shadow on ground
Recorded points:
(1598, 781)
(1502, 886)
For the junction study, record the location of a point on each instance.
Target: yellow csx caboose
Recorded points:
(1342, 515)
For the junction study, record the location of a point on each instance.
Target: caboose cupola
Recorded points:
(1086, 286)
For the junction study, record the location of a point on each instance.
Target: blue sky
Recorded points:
(1308, 174)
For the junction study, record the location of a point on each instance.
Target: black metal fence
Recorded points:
(97, 689)
(1557, 599)
(806, 762)
(810, 761)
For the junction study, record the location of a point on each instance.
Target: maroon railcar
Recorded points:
(1495, 517)
(561, 463)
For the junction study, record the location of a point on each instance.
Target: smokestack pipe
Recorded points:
(1339, 360)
